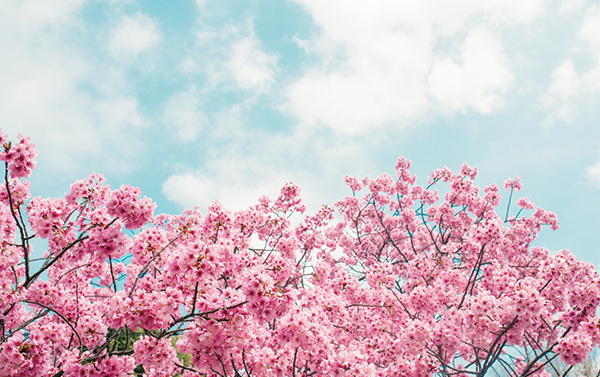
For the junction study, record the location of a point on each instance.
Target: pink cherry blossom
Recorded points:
(126, 204)
(402, 281)
(20, 158)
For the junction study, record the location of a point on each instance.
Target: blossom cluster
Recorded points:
(19, 158)
(127, 204)
(404, 281)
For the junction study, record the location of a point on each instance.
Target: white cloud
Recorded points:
(590, 33)
(231, 57)
(232, 176)
(201, 3)
(570, 88)
(377, 60)
(31, 16)
(183, 115)
(379, 82)
(235, 175)
(197, 189)
(349, 21)
(563, 91)
(188, 66)
(590, 30)
(45, 81)
(250, 66)
(565, 81)
(186, 190)
(520, 11)
(568, 6)
(593, 173)
(350, 103)
(132, 36)
(243, 164)
(479, 83)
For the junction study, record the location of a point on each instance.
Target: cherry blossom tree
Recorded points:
(404, 281)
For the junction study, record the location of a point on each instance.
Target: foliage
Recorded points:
(403, 283)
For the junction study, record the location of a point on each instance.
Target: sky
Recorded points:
(196, 101)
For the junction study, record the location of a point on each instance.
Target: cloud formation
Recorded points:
(593, 173)
(236, 179)
(477, 80)
(573, 88)
(133, 35)
(56, 89)
(393, 61)
(563, 92)
(183, 115)
(250, 67)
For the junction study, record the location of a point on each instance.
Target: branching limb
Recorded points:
(62, 317)
(473, 276)
(143, 270)
(46, 266)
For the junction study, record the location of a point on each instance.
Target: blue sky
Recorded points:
(195, 101)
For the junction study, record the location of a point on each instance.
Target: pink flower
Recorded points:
(289, 198)
(468, 171)
(155, 354)
(513, 184)
(353, 182)
(525, 203)
(21, 158)
(125, 203)
(403, 282)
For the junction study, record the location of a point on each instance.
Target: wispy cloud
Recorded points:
(228, 62)
(133, 35)
(477, 80)
(573, 88)
(183, 115)
(249, 66)
(593, 173)
(230, 59)
(57, 90)
(236, 179)
(197, 189)
(563, 92)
